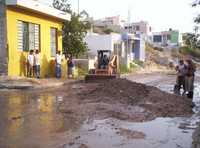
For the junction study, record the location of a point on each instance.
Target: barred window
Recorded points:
(28, 36)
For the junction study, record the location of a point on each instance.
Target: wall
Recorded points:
(3, 39)
(98, 42)
(174, 37)
(17, 59)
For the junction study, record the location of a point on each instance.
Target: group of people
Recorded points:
(33, 64)
(185, 77)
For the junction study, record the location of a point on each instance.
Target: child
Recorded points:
(58, 64)
(30, 64)
(70, 64)
(37, 64)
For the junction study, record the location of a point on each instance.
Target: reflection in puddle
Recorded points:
(160, 133)
(30, 120)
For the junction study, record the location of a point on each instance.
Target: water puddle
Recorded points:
(160, 133)
(31, 120)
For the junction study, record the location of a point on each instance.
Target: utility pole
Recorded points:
(78, 7)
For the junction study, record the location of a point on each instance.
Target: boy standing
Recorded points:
(30, 64)
(37, 64)
(58, 64)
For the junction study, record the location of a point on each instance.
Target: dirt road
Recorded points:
(111, 114)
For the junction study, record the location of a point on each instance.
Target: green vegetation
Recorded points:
(73, 31)
(135, 65)
(108, 31)
(123, 69)
(195, 52)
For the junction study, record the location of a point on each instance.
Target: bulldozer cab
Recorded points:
(103, 58)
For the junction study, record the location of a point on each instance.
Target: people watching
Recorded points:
(189, 79)
(181, 72)
(37, 64)
(58, 62)
(30, 64)
(70, 64)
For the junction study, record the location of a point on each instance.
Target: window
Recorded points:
(28, 36)
(54, 42)
(137, 28)
(157, 38)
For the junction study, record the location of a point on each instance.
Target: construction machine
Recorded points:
(106, 67)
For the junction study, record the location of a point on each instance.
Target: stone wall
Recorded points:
(3, 40)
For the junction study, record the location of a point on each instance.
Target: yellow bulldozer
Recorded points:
(106, 67)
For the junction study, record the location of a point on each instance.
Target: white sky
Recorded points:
(161, 14)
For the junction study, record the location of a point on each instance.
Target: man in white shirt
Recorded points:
(37, 63)
(30, 64)
(58, 64)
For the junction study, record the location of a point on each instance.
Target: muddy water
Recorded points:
(28, 120)
(159, 133)
(33, 120)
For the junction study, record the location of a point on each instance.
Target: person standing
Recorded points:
(30, 64)
(58, 61)
(70, 64)
(190, 75)
(37, 64)
(181, 72)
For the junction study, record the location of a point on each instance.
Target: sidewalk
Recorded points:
(19, 83)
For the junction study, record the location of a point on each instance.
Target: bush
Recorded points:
(193, 52)
(140, 63)
(123, 69)
(158, 49)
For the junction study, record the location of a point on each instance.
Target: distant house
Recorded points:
(127, 46)
(141, 27)
(29, 25)
(171, 38)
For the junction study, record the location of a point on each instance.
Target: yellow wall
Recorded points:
(17, 59)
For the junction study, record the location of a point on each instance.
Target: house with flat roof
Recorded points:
(128, 47)
(29, 25)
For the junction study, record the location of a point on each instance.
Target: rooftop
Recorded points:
(34, 5)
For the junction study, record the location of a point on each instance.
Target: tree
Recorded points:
(190, 40)
(108, 31)
(74, 32)
(62, 5)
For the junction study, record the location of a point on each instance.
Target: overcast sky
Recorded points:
(161, 14)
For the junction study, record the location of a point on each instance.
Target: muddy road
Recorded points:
(81, 115)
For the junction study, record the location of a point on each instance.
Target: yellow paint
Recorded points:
(17, 59)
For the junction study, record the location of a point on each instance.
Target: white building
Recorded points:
(127, 46)
(141, 27)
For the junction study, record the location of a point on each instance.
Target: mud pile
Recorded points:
(127, 100)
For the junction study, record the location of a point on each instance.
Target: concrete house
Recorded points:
(127, 46)
(28, 25)
(171, 38)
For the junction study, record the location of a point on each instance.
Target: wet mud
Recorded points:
(112, 114)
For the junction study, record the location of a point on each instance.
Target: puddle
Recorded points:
(160, 133)
(34, 120)
(31, 120)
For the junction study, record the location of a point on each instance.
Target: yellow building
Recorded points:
(33, 26)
